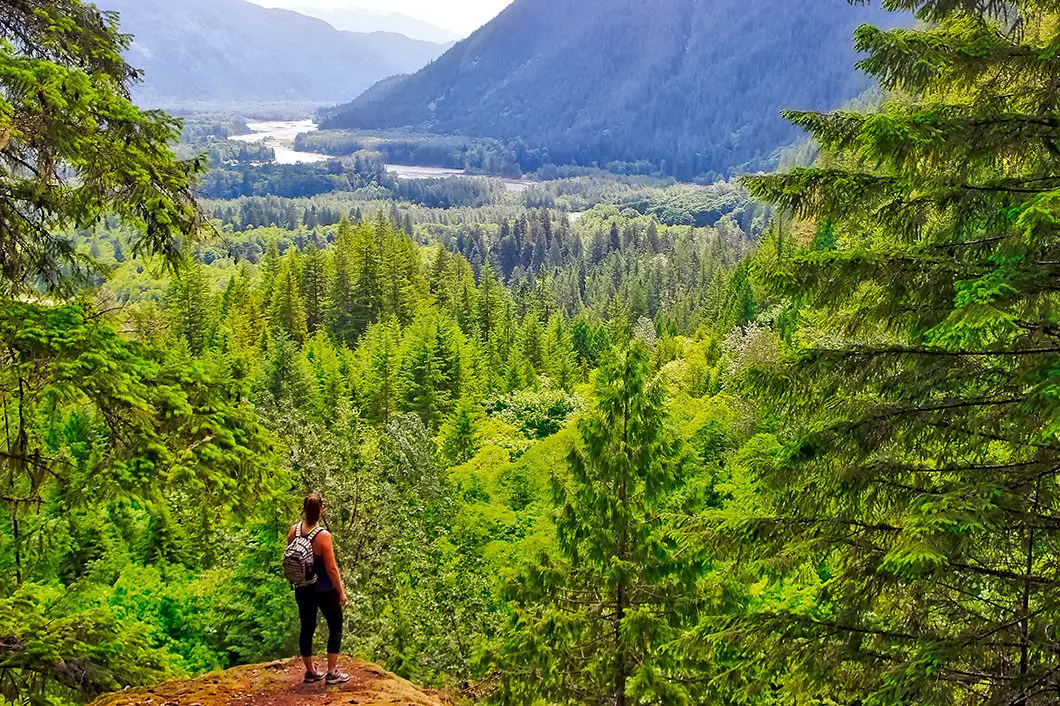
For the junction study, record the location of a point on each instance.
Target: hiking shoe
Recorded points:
(312, 677)
(339, 677)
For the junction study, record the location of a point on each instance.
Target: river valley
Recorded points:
(280, 136)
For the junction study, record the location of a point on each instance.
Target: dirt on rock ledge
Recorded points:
(280, 684)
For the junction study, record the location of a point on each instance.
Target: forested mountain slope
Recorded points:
(689, 85)
(232, 50)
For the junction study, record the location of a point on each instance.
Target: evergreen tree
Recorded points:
(440, 274)
(245, 321)
(269, 268)
(915, 492)
(315, 288)
(562, 361)
(532, 344)
(739, 306)
(345, 307)
(507, 250)
(489, 295)
(460, 437)
(191, 305)
(329, 369)
(427, 372)
(368, 251)
(614, 239)
(403, 274)
(76, 149)
(164, 540)
(287, 376)
(287, 310)
(593, 624)
(381, 347)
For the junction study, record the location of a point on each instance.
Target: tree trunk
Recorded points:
(623, 550)
(620, 659)
(1025, 626)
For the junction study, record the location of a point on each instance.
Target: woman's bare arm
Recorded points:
(327, 551)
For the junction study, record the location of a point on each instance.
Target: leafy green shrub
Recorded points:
(538, 413)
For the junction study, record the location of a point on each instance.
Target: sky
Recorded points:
(460, 16)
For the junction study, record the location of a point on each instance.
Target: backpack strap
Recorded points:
(313, 535)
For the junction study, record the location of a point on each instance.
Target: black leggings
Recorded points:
(309, 600)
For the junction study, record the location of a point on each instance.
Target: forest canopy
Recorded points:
(608, 440)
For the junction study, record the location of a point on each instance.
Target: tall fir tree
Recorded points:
(431, 372)
(489, 300)
(192, 307)
(287, 309)
(269, 268)
(405, 283)
(532, 345)
(316, 287)
(344, 316)
(460, 438)
(381, 349)
(914, 493)
(368, 256)
(287, 376)
(244, 321)
(594, 624)
(560, 358)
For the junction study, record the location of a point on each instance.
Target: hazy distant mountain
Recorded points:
(692, 86)
(235, 51)
(363, 19)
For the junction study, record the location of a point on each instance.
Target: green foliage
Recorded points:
(65, 110)
(539, 414)
(288, 311)
(54, 650)
(106, 440)
(819, 471)
(901, 517)
(592, 623)
(431, 369)
(191, 303)
(315, 288)
(460, 437)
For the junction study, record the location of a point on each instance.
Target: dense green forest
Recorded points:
(791, 440)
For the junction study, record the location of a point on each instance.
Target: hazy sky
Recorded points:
(460, 16)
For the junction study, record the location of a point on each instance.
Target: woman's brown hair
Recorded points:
(311, 507)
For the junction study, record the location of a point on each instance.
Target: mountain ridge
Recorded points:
(237, 51)
(363, 19)
(593, 82)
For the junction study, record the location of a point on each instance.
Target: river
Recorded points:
(280, 135)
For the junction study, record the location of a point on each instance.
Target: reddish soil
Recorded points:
(280, 684)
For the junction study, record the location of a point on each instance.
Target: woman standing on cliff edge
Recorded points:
(322, 590)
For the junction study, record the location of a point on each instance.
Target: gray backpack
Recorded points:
(298, 559)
